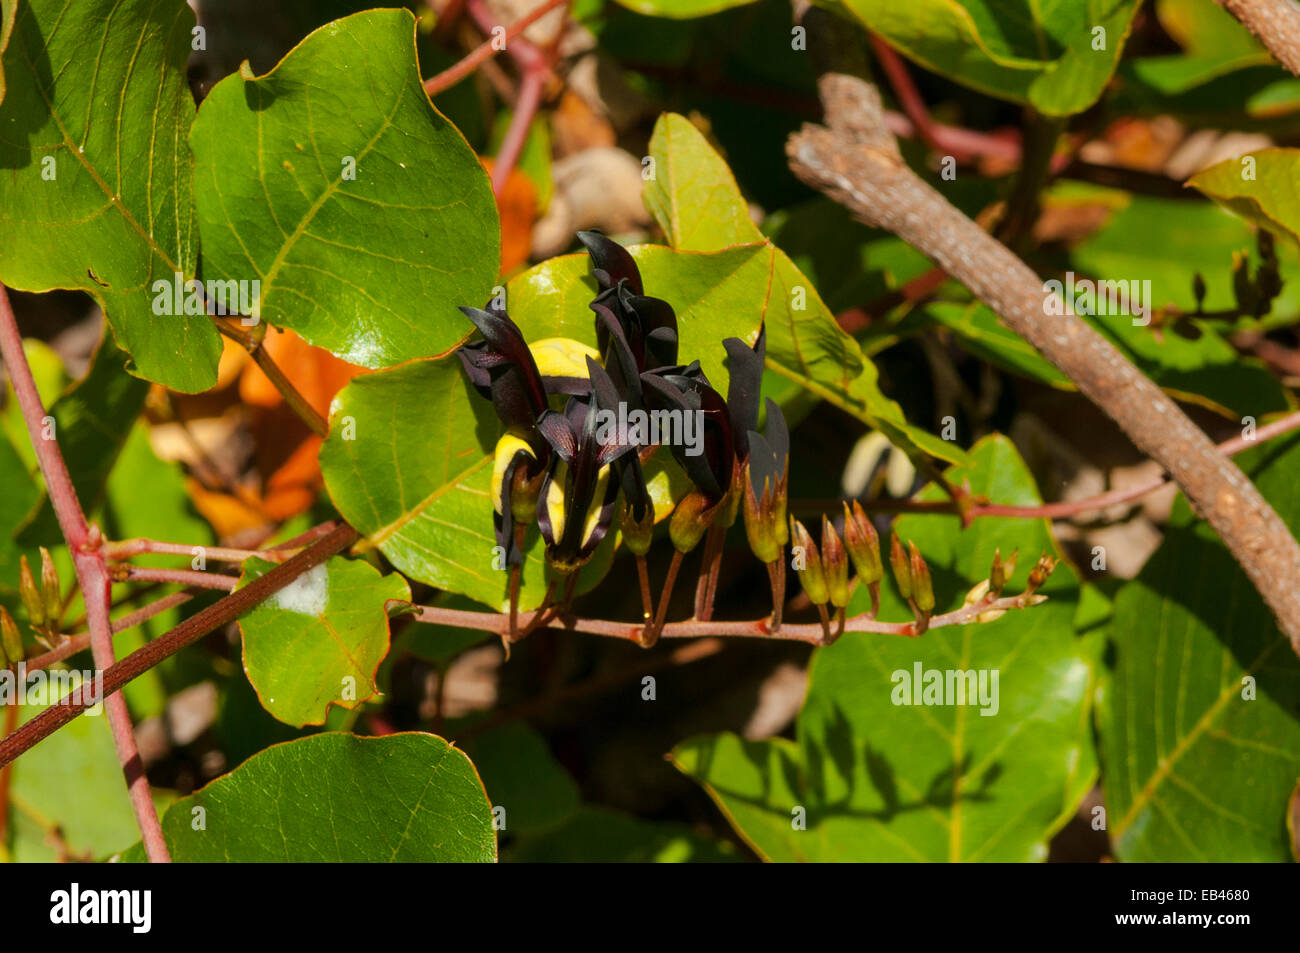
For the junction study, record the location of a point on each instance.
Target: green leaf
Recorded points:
(334, 797)
(523, 779)
(97, 195)
(334, 182)
(1199, 767)
(414, 479)
(91, 422)
(7, 10)
(681, 9)
(1214, 44)
(1041, 53)
(982, 334)
(697, 203)
(604, 836)
(1260, 187)
(72, 780)
(880, 780)
(318, 641)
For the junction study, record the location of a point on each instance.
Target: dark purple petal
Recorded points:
(610, 261)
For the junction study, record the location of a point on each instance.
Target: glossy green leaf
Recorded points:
(1200, 728)
(872, 779)
(96, 193)
(1048, 54)
(318, 641)
(333, 182)
(329, 798)
(696, 201)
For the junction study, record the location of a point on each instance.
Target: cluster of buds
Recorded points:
(43, 601)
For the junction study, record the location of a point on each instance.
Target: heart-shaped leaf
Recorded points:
(319, 640)
(96, 193)
(329, 798)
(334, 183)
(883, 774)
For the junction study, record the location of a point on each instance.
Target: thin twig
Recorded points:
(182, 577)
(127, 548)
(92, 575)
(79, 641)
(252, 343)
(485, 51)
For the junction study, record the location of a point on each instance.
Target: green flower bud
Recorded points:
(761, 522)
(863, 544)
(901, 565)
(31, 594)
(51, 588)
(637, 537)
(1038, 575)
(835, 565)
(11, 640)
(690, 521)
(922, 589)
(811, 576)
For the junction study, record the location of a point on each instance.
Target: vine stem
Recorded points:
(127, 548)
(79, 641)
(188, 632)
(811, 633)
(1275, 22)
(92, 576)
(184, 577)
(485, 51)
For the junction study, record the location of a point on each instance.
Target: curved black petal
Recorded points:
(610, 261)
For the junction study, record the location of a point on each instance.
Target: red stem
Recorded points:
(512, 146)
(92, 575)
(184, 577)
(485, 51)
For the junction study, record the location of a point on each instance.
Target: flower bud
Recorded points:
(31, 594)
(1042, 569)
(922, 589)
(835, 565)
(811, 576)
(690, 520)
(637, 536)
(901, 565)
(51, 588)
(863, 544)
(11, 640)
(762, 522)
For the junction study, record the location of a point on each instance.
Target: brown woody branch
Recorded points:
(1277, 25)
(855, 160)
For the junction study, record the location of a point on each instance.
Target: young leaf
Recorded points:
(97, 193)
(696, 201)
(318, 641)
(372, 214)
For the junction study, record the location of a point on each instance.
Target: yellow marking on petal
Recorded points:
(505, 451)
(555, 501)
(562, 357)
(593, 514)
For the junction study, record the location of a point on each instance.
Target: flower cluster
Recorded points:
(554, 464)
